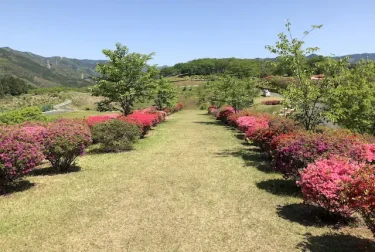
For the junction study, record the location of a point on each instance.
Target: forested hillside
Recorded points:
(41, 71)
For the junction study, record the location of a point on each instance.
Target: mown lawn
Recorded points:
(191, 185)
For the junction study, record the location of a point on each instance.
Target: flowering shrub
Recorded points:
(294, 151)
(324, 182)
(17, 156)
(211, 109)
(341, 186)
(224, 113)
(277, 125)
(232, 119)
(271, 102)
(174, 109)
(93, 120)
(115, 135)
(65, 141)
(249, 124)
(361, 194)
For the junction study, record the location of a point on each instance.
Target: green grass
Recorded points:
(191, 185)
(79, 114)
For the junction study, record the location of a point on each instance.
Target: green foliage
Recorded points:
(241, 68)
(352, 102)
(47, 107)
(238, 93)
(126, 77)
(115, 135)
(105, 105)
(23, 115)
(305, 95)
(10, 85)
(165, 96)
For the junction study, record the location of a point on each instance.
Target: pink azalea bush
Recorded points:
(18, 155)
(250, 124)
(323, 183)
(341, 186)
(65, 141)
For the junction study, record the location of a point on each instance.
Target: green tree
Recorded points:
(306, 95)
(352, 101)
(238, 93)
(165, 94)
(126, 77)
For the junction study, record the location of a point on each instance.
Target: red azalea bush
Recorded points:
(277, 125)
(93, 120)
(324, 182)
(224, 113)
(271, 102)
(65, 141)
(361, 194)
(179, 106)
(18, 155)
(294, 151)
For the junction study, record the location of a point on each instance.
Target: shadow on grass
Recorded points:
(252, 156)
(217, 123)
(49, 171)
(17, 186)
(280, 187)
(335, 243)
(308, 215)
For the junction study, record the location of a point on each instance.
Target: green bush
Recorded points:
(23, 115)
(115, 135)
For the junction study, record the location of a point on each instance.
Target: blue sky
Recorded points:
(182, 30)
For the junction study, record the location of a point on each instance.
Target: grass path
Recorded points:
(190, 186)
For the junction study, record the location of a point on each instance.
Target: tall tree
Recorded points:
(165, 94)
(238, 93)
(126, 77)
(306, 95)
(352, 101)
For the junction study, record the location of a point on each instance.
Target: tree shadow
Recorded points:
(252, 156)
(308, 215)
(217, 123)
(336, 243)
(17, 186)
(280, 187)
(50, 171)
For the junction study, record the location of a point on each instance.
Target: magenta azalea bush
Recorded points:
(294, 151)
(65, 141)
(18, 155)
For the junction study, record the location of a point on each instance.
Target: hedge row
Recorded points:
(334, 168)
(24, 146)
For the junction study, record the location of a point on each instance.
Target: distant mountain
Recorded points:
(354, 58)
(47, 71)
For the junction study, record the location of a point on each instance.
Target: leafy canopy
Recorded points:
(126, 77)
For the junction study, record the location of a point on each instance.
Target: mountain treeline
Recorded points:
(240, 68)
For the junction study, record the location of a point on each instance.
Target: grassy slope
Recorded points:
(190, 186)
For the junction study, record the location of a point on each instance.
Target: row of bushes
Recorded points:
(24, 146)
(334, 168)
